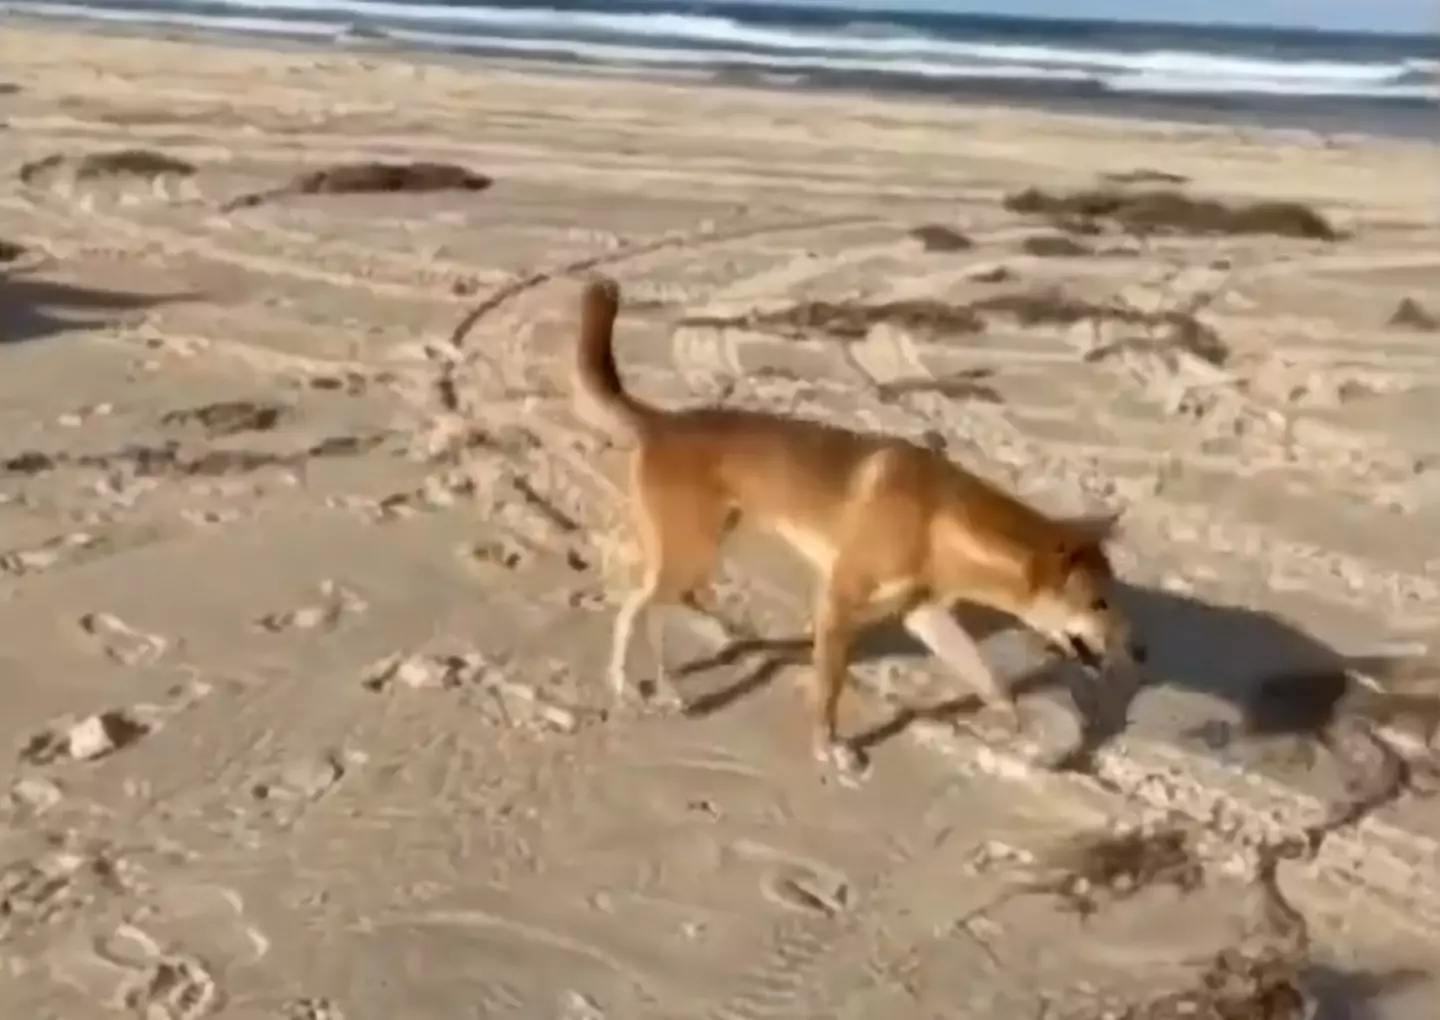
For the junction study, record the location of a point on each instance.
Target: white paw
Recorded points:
(849, 764)
(618, 681)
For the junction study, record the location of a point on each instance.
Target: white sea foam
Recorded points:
(865, 45)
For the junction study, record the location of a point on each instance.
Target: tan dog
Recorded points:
(893, 529)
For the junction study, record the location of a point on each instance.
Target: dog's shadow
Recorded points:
(1279, 680)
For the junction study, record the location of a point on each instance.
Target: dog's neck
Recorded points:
(983, 568)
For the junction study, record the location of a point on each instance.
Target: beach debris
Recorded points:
(145, 163)
(1411, 314)
(852, 320)
(1167, 211)
(1108, 866)
(937, 238)
(1144, 175)
(170, 459)
(966, 384)
(369, 178)
(229, 417)
(992, 274)
(1052, 306)
(1049, 246)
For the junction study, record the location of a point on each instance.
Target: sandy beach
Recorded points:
(308, 563)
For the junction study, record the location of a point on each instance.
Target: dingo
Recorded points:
(892, 528)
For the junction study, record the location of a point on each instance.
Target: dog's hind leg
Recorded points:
(680, 529)
(935, 627)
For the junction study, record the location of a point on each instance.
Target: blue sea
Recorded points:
(1386, 83)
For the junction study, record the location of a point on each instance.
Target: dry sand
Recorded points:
(303, 690)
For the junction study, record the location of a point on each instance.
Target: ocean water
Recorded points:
(1356, 79)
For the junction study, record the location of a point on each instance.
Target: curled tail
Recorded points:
(596, 376)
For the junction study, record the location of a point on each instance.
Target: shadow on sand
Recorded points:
(1281, 682)
(1353, 994)
(32, 309)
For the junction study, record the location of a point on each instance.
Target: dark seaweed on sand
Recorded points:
(120, 163)
(1052, 246)
(1167, 211)
(1116, 866)
(1051, 306)
(935, 237)
(1235, 985)
(228, 417)
(851, 320)
(1411, 314)
(170, 459)
(371, 178)
(1261, 980)
(1145, 175)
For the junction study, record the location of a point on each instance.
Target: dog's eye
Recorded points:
(1100, 605)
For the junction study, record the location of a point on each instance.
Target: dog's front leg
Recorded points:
(835, 625)
(934, 626)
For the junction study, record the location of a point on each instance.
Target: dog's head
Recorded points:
(1072, 598)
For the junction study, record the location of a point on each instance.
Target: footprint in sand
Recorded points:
(425, 670)
(289, 789)
(579, 1006)
(796, 883)
(510, 702)
(505, 552)
(28, 798)
(37, 892)
(168, 961)
(336, 602)
(34, 560)
(91, 738)
(100, 735)
(309, 1009)
(121, 642)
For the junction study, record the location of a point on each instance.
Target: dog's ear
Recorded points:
(1082, 541)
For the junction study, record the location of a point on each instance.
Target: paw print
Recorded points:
(168, 961)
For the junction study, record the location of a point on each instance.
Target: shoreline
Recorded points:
(1415, 121)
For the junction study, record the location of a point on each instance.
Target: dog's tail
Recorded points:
(596, 376)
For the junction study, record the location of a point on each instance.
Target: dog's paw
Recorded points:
(1009, 718)
(661, 696)
(618, 682)
(849, 764)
